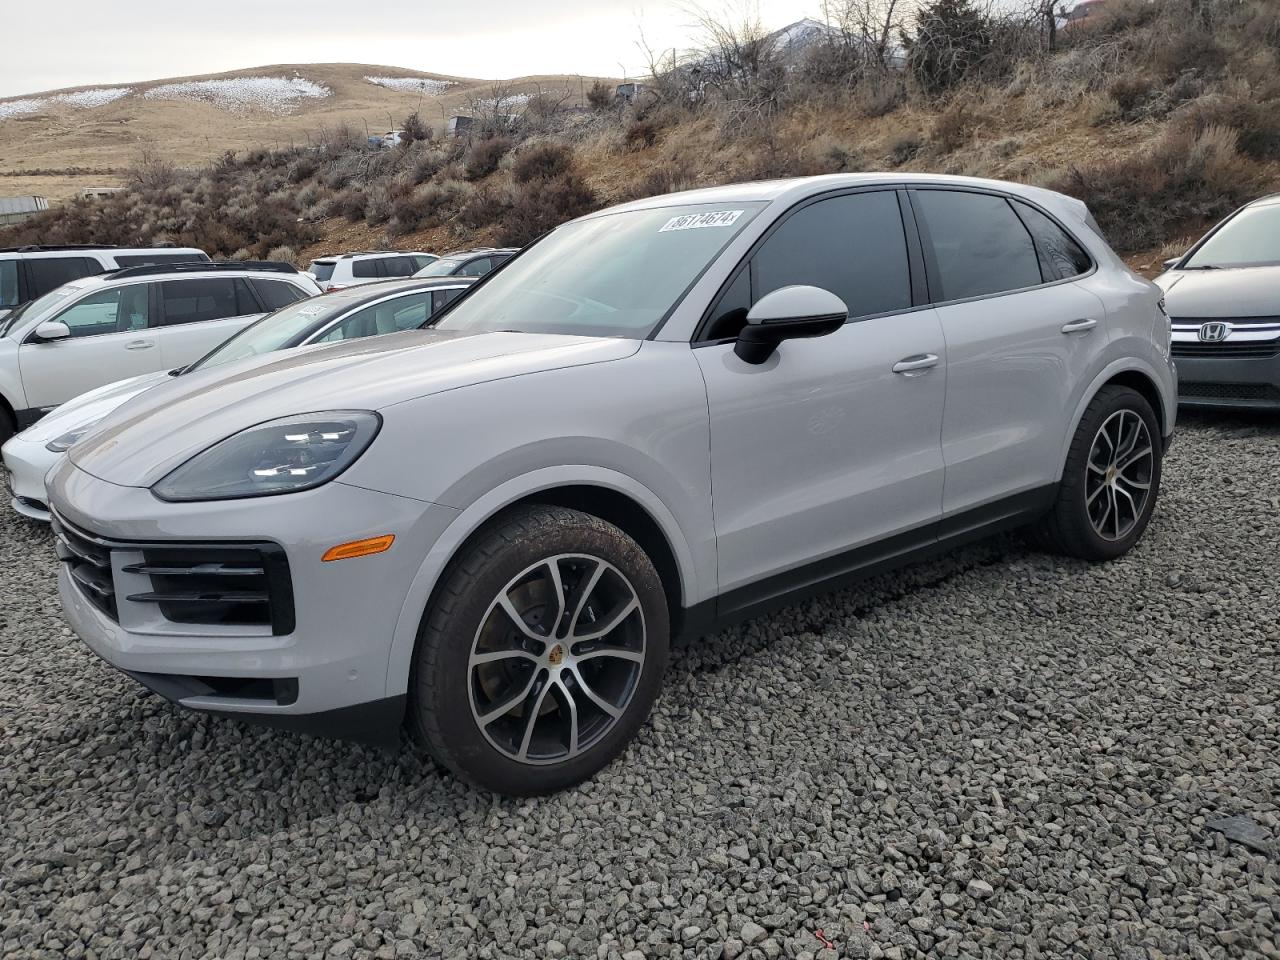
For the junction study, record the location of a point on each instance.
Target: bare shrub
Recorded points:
(543, 161)
(599, 96)
(543, 203)
(485, 155)
(904, 148)
(953, 128)
(283, 254)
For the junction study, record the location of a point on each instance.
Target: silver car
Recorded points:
(658, 419)
(1224, 298)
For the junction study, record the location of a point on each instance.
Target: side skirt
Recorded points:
(868, 560)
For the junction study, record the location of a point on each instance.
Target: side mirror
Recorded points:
(785, 314)
(1172, 262)
(52, 330)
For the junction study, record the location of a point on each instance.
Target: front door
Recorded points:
(833, 443)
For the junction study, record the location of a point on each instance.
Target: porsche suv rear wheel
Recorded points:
(542, 654)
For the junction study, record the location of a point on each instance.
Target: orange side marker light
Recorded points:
(359, 548)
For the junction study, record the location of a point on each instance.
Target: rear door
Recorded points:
(109, 341)
(1023, 337)
(197, 314)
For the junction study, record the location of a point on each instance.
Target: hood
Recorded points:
(90, 407)
(1227, 293)
(168, 425)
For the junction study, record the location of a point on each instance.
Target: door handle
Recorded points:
(1079, 326)
(140, 345)
(914, 366)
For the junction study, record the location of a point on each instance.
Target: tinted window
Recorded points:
(729, 315)
(391, 316)
(399, 266)
(195, 301)
(119, 310)
(46, 273)
(853, 246)
(9, 283)
(275, 294)
(1060, 256)
(321, 270)
(421, 260)
(980, 245)
(441, 298)
(141, 259)
(365, 269)
(476, 268)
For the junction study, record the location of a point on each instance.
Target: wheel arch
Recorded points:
(1125, 373)
(612, 497)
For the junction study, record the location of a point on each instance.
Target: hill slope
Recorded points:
(190, 120)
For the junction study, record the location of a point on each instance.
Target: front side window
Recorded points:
(118, 310)
(980, 246)
(198, 301)
(1060, 257)
(853, 246)
(442, 298)
(390, 316)
(9, 283)
(616, 275)
(48, 273)
(1249, 239)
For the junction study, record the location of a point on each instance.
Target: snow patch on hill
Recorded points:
(269, 94)
(432, 88)
(77, 98)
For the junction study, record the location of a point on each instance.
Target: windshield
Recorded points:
(38, 306)
(612, 276)
(439, 268)
(321, 269)
(1249, 239)
(275, 331)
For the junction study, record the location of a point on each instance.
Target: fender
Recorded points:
(1111, 370)
(695, 584)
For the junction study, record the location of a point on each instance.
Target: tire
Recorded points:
(479, 676)
(1100, 511)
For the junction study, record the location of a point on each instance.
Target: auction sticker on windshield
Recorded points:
(696, 221)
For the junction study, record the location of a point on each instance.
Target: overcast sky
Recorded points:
(63, 43)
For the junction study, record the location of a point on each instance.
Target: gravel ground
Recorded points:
(1000, 754)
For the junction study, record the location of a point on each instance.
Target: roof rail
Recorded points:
(365, 253)
(156, 269)
(42, 247)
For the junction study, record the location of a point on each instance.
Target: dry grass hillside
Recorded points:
(54, 143)
(1163, 116)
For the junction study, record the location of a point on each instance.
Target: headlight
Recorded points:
(281, 456)
(69, 439)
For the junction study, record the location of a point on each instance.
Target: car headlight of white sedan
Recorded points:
(69, 439)
(281, 456)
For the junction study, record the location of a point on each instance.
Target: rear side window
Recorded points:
(1060, 257)
(980, 246)
(420, 261)
(9, 296)
(48, 273)
(275, 294)
(197, 301)
(321, 270)
(146, 259)
(365, 269)
(118, 310)
(853, 246)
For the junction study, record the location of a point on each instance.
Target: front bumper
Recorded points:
(324, 672)
(1229, 382)
(28, 464)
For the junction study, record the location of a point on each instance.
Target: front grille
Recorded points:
(88, 560)
(1229, 391)
(1264, 350)
(202, 584)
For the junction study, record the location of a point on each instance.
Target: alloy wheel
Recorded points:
(556, 659)
(1118, 475)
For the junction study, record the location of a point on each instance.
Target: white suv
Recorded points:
(367, 266)
(32, 271)
(129, 322)
(491, 530)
